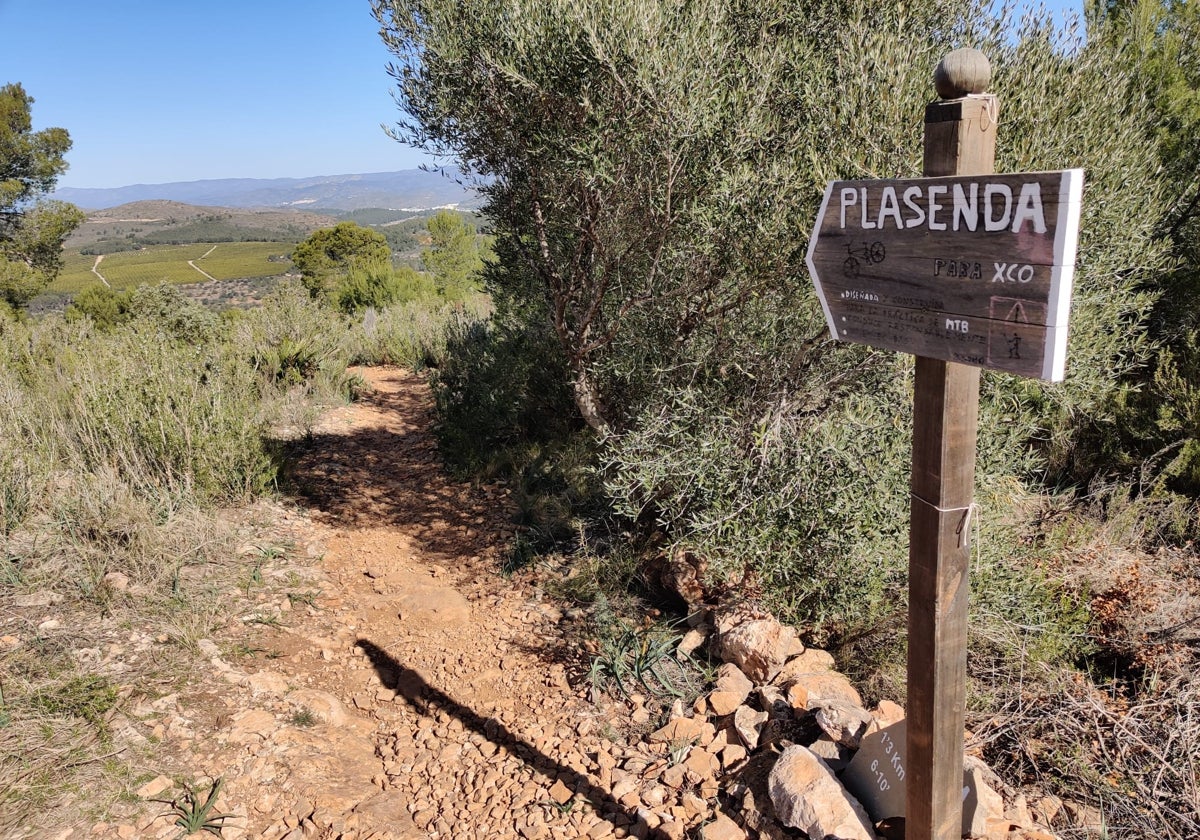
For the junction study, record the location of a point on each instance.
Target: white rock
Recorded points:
(266, 682)
(887, 713)
(843, 722)
(722, 828)
(252, 724)
(730, 678)
(807, 796)
(811, 661)
(208, 647)
(692, 641)
(814, 688)
(322, 704)
(40, 598)
(731, 689)
(117, 581)
(759, 646)
(749, 725)
(982, 806)
(154, 787)
(832, 753)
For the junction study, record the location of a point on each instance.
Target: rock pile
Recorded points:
(790, 729)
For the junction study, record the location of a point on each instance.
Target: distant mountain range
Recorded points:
(409, 189)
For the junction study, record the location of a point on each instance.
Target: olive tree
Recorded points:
(635, 156)
(652, 168)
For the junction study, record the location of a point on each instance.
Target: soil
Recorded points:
(410, 690)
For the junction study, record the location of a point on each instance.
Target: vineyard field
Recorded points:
(237, 260)
(169, 264)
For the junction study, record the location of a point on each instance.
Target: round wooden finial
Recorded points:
(961, 72)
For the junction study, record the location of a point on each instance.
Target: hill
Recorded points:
(162, 222)
(409, 189)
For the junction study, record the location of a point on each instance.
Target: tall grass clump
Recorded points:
(414, 333)
(298, 348)
(125, 452)
(172, 420)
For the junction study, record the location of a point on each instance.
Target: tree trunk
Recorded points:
(587, 400)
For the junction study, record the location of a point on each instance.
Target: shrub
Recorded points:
(164, 308)
(374, 285)
(294, 340)
(106, 307)
(498, 386)
(117, 444)
(413, 332)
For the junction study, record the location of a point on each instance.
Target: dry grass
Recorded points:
(1136, 759)
(37, 755)
(116, 555)
(1119, 731)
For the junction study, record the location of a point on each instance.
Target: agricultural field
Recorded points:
(170, 264)
(235, 260)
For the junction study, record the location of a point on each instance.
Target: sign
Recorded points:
(970, 269)
(875, 777)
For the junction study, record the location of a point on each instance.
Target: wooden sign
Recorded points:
(970, 269)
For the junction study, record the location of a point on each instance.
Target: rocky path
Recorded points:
(419, 694)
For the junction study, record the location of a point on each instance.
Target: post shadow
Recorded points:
(427, 700)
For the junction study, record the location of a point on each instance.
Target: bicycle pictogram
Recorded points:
(870, 254)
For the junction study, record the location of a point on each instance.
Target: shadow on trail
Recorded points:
(427, 700)
(389, 473)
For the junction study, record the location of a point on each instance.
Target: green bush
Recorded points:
(498, 387)
(374, 285)
(106, 307)
(163, 308)
(85, 697)
(805, 503)
(295, 340)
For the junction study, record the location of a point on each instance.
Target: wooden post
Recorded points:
(960, 137)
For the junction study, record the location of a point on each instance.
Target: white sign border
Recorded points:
(1062, 274)
(812, 266)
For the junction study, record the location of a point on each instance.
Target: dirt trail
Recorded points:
(192, 263)
(418, 694)
(96, 270)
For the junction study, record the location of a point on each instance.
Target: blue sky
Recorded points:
(170, 90)
(164, 90)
